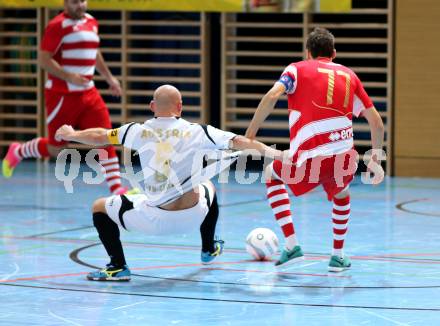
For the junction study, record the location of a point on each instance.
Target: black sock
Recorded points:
(207, 228)
(109, 234)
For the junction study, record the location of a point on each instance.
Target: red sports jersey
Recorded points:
(322, 98)
(74, 44)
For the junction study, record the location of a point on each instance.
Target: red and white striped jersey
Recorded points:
(74, 45)
(322, 98)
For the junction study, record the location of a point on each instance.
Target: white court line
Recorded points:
(241, 279)
(383, 317)
(63, 319)
(91, 234)
(129, 305)
(8, 276)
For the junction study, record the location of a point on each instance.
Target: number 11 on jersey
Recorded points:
(331, 84)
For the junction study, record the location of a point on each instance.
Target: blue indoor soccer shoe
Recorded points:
(209, 257)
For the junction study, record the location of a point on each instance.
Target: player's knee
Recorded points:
(99, 206)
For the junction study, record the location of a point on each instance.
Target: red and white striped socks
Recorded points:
(280, 203)
(112, 174)
(35, 148)
(340, 217)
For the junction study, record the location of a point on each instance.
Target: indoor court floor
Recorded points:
(48, 245)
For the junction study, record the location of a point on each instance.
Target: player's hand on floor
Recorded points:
(64, 132)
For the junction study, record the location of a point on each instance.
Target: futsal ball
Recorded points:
(261, 243)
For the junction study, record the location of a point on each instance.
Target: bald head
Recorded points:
(167, 101)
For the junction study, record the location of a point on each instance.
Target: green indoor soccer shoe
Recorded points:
(339, 264)
(290, 256)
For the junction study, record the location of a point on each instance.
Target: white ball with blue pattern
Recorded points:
(261, 243)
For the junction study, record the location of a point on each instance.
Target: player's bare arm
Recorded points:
(112, 81)
(243, 143)
(377, 139)
(376, 127)
(265, 107)
(51, 66)
(92, 136)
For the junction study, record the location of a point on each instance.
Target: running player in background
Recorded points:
(69, 53)
(322, 98)
(178, 194)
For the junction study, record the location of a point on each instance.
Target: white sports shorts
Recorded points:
(133, 213)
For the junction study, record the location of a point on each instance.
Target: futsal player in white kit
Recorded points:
(178, 195)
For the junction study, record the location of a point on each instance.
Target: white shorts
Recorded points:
(133, 213)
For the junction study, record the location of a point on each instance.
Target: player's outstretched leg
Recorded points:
(341, 214)
(35, 148)
(117, 269)
(279, 201)
(211, 247)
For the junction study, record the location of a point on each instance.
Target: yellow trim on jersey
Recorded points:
(113, 136)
